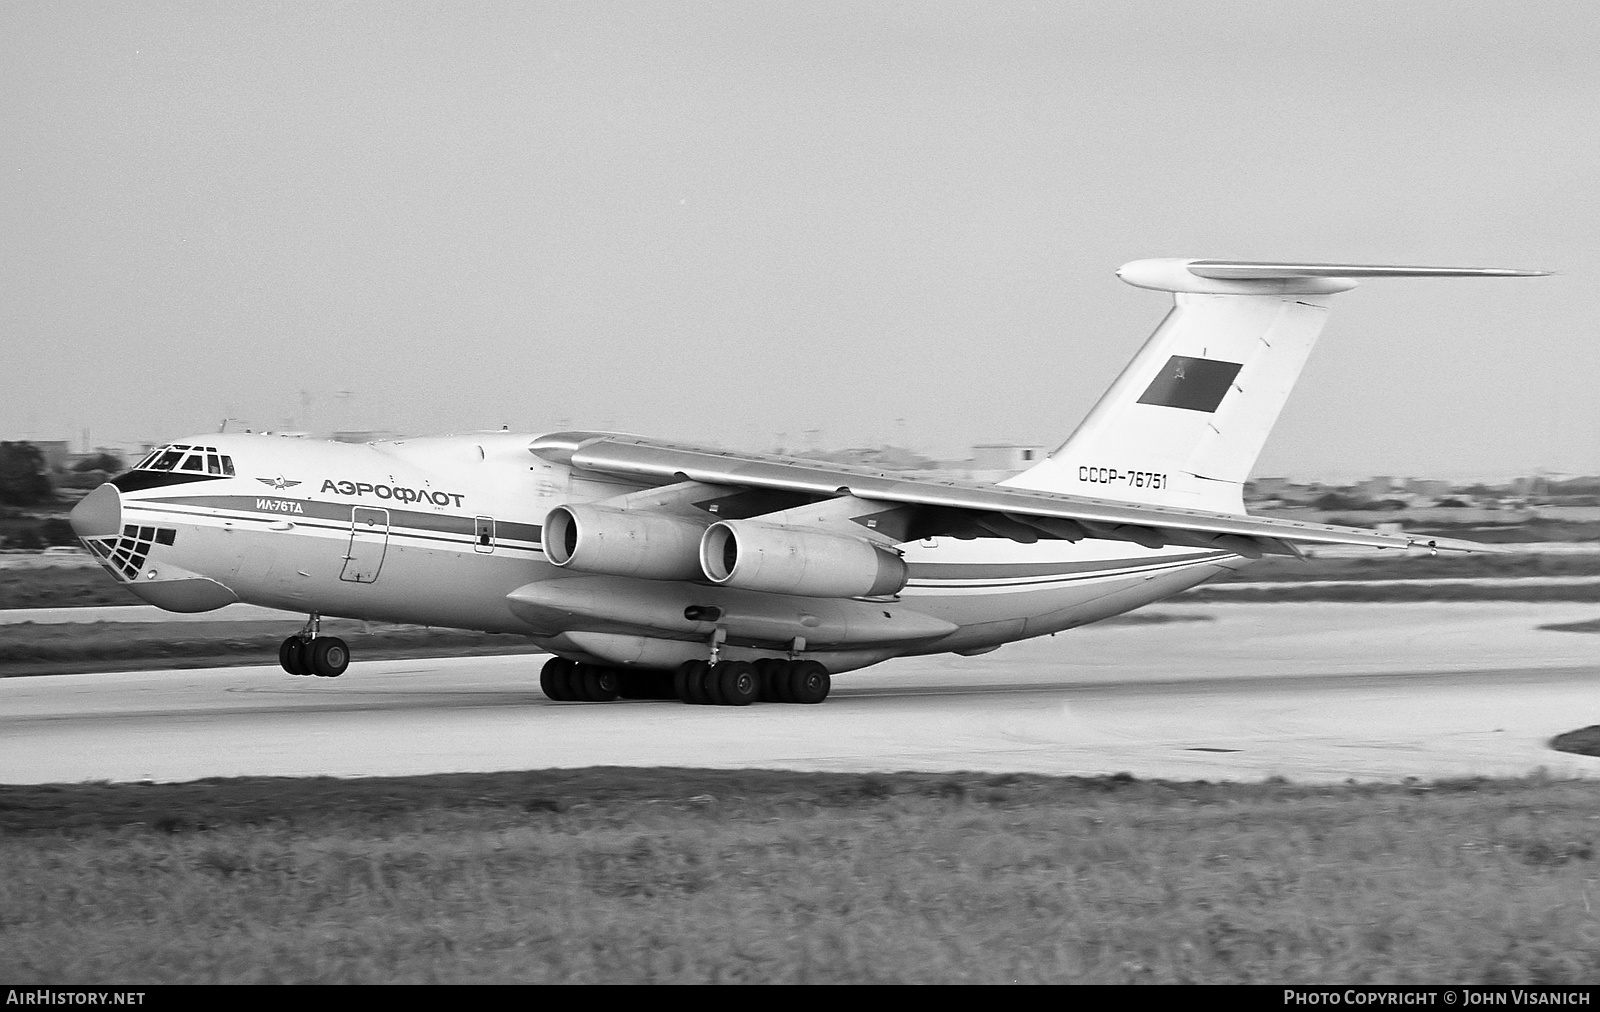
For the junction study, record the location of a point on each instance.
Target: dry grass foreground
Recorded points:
(613, 875)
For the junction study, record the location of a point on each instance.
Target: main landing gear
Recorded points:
(726, 683)
(309, 653)
(740, 683)
(570, 682)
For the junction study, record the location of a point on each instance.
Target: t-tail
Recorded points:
(1183, 425)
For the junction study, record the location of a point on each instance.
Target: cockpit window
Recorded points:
(178, 457)
(200, 461)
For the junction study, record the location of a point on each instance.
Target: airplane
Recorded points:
(656, 570)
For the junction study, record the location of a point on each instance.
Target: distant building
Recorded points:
(1429, 488)
(1532, 484)
(1268, 488)
(1006, 456)
(1377, 487)
(357, 435)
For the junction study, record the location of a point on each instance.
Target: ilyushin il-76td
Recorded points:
(650, 569)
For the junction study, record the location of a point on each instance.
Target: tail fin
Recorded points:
(1183, 425)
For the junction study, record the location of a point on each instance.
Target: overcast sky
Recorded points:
(827, 224)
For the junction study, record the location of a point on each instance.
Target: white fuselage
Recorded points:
(446, 532)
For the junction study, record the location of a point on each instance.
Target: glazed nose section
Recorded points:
(99, 514)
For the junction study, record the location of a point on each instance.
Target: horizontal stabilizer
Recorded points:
(1252, 277)
(1244, 270)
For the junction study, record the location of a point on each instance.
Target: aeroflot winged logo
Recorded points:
(280, 482)
(398, 493)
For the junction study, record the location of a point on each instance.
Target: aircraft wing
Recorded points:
(1019, 514)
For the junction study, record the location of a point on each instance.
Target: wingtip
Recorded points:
(1423, 544)
(1499, 272)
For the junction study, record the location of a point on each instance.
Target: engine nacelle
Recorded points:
(613, 542)
(751, 555)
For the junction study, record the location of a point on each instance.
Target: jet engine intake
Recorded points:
(613, 542)
(750, 555)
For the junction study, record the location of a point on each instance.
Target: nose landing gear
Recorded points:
(309, 653)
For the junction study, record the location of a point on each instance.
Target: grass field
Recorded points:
(80, 586)
(609, 875)
(1245, 593)
(50, 649)
(62, 587)
(65, 648)
(1417, 566)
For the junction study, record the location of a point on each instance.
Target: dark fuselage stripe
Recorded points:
(446, 523)
(463, 538)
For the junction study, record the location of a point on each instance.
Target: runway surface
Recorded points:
(1311, 692)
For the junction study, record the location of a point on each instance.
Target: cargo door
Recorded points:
(369, 540)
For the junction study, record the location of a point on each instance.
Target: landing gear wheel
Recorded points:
(645, 685)
(783, 683)
(292, 656)
(327, 657)
(555, 679)
(769, 679)
(704, 689)
(680, 680)
(736, 683)
(594, 683)
(809, 682)
(688, 682)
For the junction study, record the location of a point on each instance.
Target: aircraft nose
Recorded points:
(99, 514)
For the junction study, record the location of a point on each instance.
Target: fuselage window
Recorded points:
(227, 466)
(213, 465)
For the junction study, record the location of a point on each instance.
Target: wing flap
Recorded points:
(997, 509)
